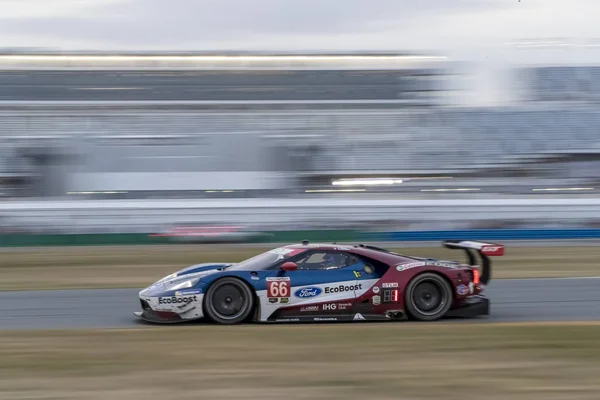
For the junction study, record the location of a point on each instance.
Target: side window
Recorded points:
(359, 263)
(327, 260)
(313, 261)
(353, 260)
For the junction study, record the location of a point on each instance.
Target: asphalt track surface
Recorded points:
(513, 300)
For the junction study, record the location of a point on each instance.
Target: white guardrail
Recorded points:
(265, 211)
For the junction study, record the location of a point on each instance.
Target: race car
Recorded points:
(325, 282)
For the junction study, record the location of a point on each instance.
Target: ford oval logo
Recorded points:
(307, 292)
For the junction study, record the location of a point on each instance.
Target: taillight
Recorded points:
(476, 276)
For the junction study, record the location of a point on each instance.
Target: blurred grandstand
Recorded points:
(164, 125)
(136, 126)
(198, 122)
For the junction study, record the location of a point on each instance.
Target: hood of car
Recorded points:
(193, 269)
(191, 273)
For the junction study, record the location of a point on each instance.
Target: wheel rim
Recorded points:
(229, 301)
(428, 297)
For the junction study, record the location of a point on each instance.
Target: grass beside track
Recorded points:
(138, 266)
(374, 361)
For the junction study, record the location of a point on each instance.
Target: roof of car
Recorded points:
(377, 253)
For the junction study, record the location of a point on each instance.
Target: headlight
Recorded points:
(185, 284)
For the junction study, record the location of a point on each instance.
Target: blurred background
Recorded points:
(497, 130)
(400, 123)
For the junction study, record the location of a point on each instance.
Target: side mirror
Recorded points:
(289, 266)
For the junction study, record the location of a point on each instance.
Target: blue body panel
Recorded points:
(257, 279)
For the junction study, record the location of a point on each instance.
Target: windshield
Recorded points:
(265, 260)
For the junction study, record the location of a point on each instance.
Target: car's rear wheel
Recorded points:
(229, 301)
(428, 297)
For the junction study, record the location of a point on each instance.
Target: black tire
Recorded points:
(228, 301)
(428, 297)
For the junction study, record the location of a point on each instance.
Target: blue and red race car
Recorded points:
(325, 282)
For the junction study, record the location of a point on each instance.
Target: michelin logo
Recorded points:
(403, 267)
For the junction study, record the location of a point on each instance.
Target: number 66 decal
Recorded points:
(278, 287)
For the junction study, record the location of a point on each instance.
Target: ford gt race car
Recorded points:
(325, 282)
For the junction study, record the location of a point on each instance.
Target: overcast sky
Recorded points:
(471, 30)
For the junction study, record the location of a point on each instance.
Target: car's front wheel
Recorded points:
(428, 297)
(229, 301)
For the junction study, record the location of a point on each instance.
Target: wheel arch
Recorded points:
(432, 271)
(440, 274)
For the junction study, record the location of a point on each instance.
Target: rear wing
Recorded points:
(485, 250)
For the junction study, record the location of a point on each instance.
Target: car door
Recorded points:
(367, 288)
(322, 288)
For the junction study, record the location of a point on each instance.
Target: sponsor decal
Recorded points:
(389, 285)
(376, 289)
(444, 264)
(308, 292)
(359, 317)
(462, 290)
(325, 319)
(177, 300)
(369, 269)
(376, 300)
(287, 320)
(309, 309)
(357, 274)
(486, 248)
(493, 250)
(187, 292)
(254, 278)
(334, 306)
(278, 287)
(343, 288)
(284, 300)
(471, 287)
(273, 300)
(402, 267)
